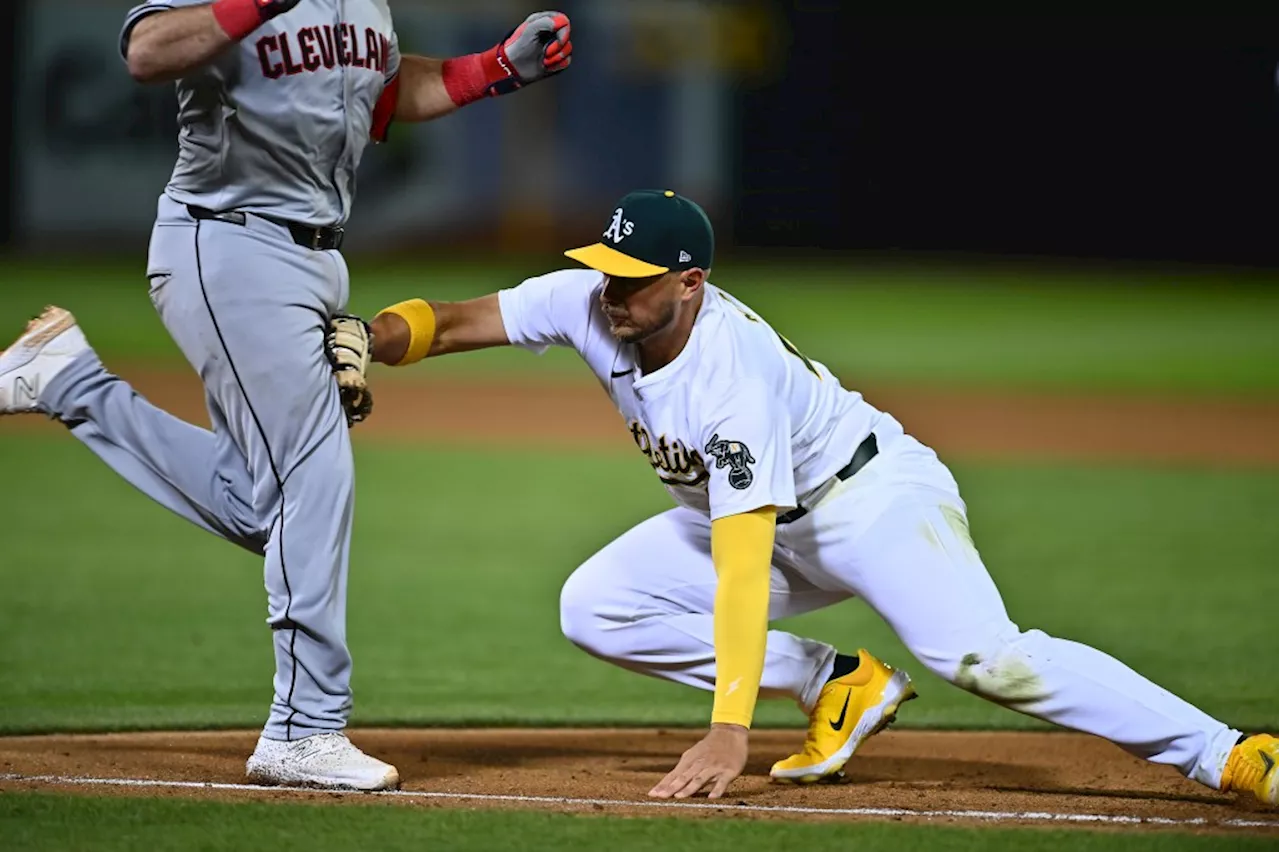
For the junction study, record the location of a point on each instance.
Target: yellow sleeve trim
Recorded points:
(421, 318)
(742, 551)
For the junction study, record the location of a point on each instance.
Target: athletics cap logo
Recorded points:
(619, 227)
(652, 232)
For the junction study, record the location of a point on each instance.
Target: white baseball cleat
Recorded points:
(327, 760)
(43, 350)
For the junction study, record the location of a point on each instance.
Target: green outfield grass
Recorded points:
(1029, 326)
(116, 614)
(50, 822)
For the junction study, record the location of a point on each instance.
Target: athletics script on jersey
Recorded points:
(329, 46)
(676, 464)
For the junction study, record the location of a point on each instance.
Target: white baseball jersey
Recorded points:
(278, 123)
(737, 421)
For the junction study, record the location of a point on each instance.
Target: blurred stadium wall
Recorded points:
(800, 125)
(93, 148)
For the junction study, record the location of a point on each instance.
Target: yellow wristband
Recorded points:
(421, 319)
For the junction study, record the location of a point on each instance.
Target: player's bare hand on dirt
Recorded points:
(536, 49)
(348, 344)
(716, 759)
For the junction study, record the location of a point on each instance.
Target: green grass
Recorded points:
(1024, 326)
(116, 614)
(31, 822)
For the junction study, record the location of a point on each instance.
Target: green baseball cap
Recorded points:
(652, 231)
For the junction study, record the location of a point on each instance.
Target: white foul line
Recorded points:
(992, 816)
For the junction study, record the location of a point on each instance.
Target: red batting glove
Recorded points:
(537, 49)
(238, 18)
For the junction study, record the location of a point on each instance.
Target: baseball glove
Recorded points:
(348, 344)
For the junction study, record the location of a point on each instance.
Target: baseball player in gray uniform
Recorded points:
(277, 101)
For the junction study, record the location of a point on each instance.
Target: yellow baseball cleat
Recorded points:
(849, 710)
(1251, 768)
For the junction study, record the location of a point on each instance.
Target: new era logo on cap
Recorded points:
(685, 257)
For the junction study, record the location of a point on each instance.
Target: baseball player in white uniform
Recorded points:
(278, 100)
(792, 494)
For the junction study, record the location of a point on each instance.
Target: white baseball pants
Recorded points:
(896, 536)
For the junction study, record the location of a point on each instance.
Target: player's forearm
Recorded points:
(423, 95)
(415, 329)
(742, 551)
(391, 338)
(166, 45)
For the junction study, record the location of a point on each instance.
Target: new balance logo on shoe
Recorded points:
(25, 394)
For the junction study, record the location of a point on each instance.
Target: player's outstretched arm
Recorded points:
(742, 552)
(165, 45)
(537, 49)
(410, 331)
(403, 334)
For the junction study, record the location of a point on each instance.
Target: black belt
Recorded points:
(866, 451)
(316, 239)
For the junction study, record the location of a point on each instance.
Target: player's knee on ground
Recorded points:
(1003, 665)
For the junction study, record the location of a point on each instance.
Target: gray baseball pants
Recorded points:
(248, 307)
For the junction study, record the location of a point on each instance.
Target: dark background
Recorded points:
(9, 18)
(1098, 136)
(1074, 136)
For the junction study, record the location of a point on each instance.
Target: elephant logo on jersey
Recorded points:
(619, 227)
(735, 456)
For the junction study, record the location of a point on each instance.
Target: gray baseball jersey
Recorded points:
(278, 123)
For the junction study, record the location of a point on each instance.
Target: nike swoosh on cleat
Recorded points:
(1267, 759)
(839, 723)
